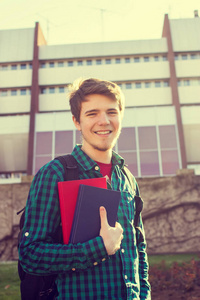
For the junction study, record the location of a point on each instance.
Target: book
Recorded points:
(87, 223)
(68, 192)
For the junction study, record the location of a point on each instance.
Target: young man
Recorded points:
(110, 266)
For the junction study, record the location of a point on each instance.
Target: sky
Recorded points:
(83, 21)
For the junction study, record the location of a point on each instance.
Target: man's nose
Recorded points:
(104, 119)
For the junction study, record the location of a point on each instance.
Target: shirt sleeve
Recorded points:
(38, 254)
(145, 288)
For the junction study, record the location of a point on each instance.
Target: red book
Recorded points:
(68, 192)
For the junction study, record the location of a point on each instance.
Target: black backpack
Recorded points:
(35, 287)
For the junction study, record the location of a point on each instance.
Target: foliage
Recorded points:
(183, 279)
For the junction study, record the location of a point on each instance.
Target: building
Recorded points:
(160, 80)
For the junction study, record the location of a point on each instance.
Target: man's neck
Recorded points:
(97, 155)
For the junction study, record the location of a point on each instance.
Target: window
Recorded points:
(166, 83)
(164, 58)
(80, 62)
(60, 64)
(43, 90)
(89, 62)
(147, 84)
(51, 90)
(51, 64)
(23, 66)
(138, 85)
(98, 62)
(184, 57)
(63, 142)
(117, 60)
(43, 65)
(169, 152)
(61, 89)
(13, 67)
(4, 67)
(127, 60)
(156, 58)
(13, 92)
(119, 84)
(157, 84)
(4, 93)
(30, 66)
(186, 82)
(148, 149)
(146, 59)
(70, 63)
(176, 57)
(127, 148)
(136, 59)
(128, 85)
(179, 83)
(23, 92)
(193, 56)
(108, 61)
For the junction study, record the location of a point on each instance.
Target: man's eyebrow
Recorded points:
(91, 111)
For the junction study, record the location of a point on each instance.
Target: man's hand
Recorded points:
(112, 236)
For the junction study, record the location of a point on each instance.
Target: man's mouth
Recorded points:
(103, 132)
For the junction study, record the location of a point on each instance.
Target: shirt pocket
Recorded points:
(126, 209)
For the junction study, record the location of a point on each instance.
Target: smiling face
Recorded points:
(100, 125)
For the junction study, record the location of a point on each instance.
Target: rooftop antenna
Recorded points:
(47, 24)
(102, 12)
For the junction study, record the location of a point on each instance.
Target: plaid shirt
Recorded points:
(85, 271)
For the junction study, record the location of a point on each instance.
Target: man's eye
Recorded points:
(91, 114)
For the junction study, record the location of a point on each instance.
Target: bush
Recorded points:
(183, 279)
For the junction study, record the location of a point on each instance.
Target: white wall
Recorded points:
(189, 94)
(53, 102)
(15, 78)
(103, 49)
(148, 96)
(16, 45)
(113, 72)
(188, 68)
(15, 104)
(185, 34)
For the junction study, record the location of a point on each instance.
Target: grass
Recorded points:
(171, 258)
(9, 280)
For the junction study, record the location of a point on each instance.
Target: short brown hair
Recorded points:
(81, 88)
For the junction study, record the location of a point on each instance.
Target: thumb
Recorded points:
(103, 217)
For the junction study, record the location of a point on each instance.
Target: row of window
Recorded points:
(127, 85)
(124, 85)
(23, 66)
(148, 151)
(15, 92)
(189, 82)
(187, 56)
(99, 61)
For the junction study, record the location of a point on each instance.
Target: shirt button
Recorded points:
(125, 276)
(73, 269)
(103, 259)
(95, 263)
(123, 250)
(26, 233)
(96, 168)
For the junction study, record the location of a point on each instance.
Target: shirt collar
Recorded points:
(87, 163)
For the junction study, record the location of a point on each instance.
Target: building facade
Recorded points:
(159, 78)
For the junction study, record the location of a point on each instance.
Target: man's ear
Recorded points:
(76, 123)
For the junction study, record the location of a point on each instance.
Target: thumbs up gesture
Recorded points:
(112, 236)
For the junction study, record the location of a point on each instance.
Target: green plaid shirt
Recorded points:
(85, 271)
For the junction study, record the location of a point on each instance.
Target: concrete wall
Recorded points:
(171, 213)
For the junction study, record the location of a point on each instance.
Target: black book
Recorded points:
(86, 222)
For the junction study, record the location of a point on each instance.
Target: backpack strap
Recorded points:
(70, 166)
(138, 206)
